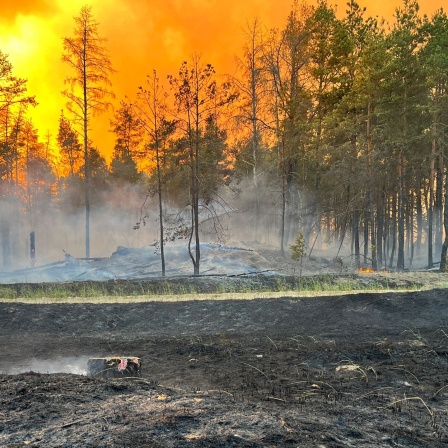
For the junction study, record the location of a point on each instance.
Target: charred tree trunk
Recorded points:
(356, 238)
(371, 207)
(444, 254)
(387, 230)
(431, 205)
(380, 227)
(373, 240)
(85, 119)
(438, 207)
(196, 205)
(393, 231)
(419, 218)
(410, 228)
(366, 236)
(289, 212)
(401, 215)
(283, 215)
(159, 194)
(444, 168)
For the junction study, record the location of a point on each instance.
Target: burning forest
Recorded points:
(223, 254)
(300, 141)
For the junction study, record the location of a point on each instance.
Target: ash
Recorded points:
(141, 263)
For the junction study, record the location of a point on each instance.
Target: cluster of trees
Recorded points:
(333, 128)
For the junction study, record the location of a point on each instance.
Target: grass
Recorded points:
(199, 288)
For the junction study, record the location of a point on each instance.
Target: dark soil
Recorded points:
(362, 370)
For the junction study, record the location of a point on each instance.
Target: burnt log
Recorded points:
(114, 367)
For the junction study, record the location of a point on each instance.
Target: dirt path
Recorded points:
(362, 370)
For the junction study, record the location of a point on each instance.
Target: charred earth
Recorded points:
(363, 369)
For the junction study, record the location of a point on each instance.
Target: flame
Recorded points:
(370, 270)
(123, 364)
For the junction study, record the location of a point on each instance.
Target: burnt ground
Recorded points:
(360, 370)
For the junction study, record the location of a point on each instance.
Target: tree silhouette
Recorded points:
(87, 56)
(198, 96)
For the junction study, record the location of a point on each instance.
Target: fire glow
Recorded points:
(370, 270)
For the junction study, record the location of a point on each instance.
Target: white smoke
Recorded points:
(74, 365)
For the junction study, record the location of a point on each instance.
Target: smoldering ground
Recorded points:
(74, 365)
(60, 228)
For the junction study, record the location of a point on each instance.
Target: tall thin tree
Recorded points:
(89, 92)
(198, 97)
(253, 111)
(151, 109)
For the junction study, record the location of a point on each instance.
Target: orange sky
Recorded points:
(142, 35)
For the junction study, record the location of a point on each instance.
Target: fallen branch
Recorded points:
(277, 399)
(250, 273)
(67, 425)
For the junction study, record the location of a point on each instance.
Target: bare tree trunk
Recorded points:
(431, 202)
(345, 219)
(328, 236)
(366, 235)
(394, 231)
(196, 192)
(439, 202)
(194, 209)
(401, 214)
(373, 242)
(444, 256)
(380, 228)
(255, 149)
(419, 218)
(86, 143)
(356, 238)
(283, 217)
(410, 228)
(87, 56)
(387, 230)
(288, 202)
(159, 193)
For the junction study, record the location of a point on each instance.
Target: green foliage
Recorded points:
(128, 129)
(124, 168)
(298, 248)
(69, 146)
(99, 170)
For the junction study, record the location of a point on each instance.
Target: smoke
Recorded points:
(242, 214)
(74, 365)
(60, 228)
(43, 8)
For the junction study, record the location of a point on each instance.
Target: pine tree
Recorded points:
(87, 56)
(69, 146)
(129, 130)
(197, 97)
